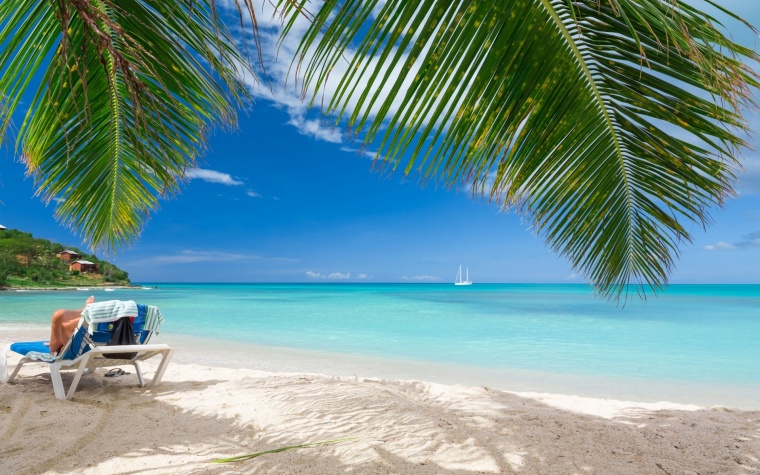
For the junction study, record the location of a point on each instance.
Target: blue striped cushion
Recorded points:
(24, 347)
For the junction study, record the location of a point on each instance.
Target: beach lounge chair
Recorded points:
(87, 348)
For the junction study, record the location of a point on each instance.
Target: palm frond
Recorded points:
(241, 458)
(612, 123)
(127, 93)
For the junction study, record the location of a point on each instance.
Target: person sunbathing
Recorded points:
(63, 324)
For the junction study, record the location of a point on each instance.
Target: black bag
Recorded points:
(123, 334)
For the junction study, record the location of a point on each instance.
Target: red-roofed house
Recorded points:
(83, 266)
(67, 255)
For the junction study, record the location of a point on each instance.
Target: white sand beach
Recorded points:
(201, 413)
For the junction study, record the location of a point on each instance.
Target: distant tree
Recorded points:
(8, 266)
(36, 259)
(112, 273)
(27, 249)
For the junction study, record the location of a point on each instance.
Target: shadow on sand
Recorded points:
(112, 426)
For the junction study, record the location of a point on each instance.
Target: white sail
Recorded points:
(459, 280)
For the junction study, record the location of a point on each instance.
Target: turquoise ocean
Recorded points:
(692, 344)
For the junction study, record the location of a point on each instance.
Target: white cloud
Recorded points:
(330, 276)
(360, 151)
(252, 194)
(362, 276)
(421, 278)
(211, 176)
(720, 245)
(285, 88)
(751, 240)
(313, 128)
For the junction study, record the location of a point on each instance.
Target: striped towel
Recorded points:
(35, 355)
(109, 311)
(40, 356)
(153, 319)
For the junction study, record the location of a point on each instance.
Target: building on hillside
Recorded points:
(83, 266)
(2, 228)
(67, 255)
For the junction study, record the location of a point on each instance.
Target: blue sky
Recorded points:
(286, 199)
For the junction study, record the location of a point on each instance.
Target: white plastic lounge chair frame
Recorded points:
(90, 355)
(94, 359)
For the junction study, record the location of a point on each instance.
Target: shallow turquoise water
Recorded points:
(691, 333)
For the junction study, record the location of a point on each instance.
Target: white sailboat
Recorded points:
(459, 280)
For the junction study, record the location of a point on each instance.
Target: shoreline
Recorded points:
(75, 288)
(213, 352)
(200, 413)
(236, 355)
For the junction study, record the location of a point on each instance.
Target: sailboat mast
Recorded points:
(460, 280)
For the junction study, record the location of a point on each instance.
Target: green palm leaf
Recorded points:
(126, 93)
(611, 123)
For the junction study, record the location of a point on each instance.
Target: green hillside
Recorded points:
(26, 261)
